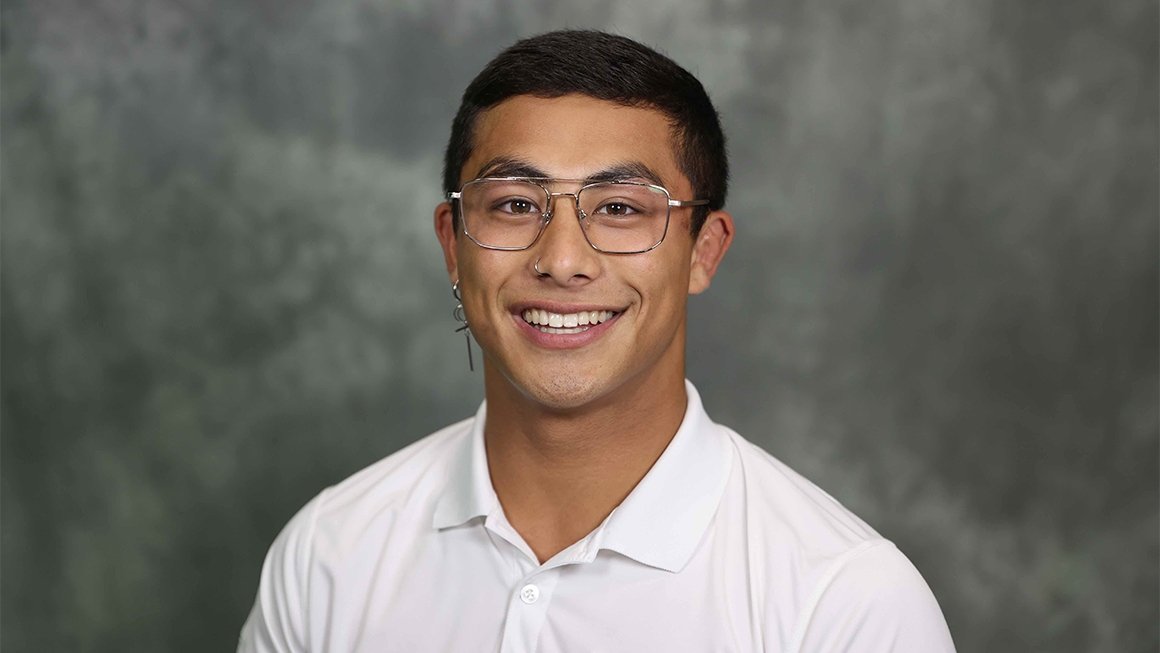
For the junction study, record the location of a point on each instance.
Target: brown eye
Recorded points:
(616, 208)
(518, 206)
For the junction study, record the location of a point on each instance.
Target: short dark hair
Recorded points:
(606, 67)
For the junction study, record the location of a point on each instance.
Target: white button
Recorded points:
(529, 594)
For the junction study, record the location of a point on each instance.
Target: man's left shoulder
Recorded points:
(782, 501)
(852, 587)
(873, 599)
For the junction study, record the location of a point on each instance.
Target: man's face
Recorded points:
(640, 298)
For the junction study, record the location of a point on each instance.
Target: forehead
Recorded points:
(573, 136)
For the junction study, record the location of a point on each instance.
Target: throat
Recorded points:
(558, 485)
(559, 471)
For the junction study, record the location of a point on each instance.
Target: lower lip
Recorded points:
(564, 340)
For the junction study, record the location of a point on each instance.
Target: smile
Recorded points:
(565, 323)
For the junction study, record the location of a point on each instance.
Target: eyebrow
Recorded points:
(506, 166)
(628, 170)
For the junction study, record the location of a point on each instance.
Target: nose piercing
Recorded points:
(536, 267)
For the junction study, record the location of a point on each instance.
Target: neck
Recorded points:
(559, 473)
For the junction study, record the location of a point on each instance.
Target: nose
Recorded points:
(563, 252)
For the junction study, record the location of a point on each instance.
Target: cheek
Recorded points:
(481, 275)
(668, 274)
(661, 287)
(475, 264)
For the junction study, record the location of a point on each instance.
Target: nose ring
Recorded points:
(536, 267)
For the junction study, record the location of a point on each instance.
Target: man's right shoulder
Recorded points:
(405, 481)
(390, 500)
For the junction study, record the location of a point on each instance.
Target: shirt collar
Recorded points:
(662, 520)
(469, 492)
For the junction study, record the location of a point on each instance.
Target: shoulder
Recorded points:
(873, 600)
(853, 589)
(394, 479)
(783, 501)
(386, 484)
(366, 507)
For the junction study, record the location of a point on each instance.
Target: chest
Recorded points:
(471, 591)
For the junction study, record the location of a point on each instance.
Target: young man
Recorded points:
(590, 504)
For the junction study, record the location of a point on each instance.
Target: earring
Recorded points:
(460, 316)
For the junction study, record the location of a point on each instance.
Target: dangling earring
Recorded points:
(460, 316)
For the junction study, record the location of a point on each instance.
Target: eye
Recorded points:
(518, 206)
(616, 209)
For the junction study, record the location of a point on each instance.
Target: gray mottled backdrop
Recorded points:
(221, 291)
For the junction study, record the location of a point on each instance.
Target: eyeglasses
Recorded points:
(617, 217)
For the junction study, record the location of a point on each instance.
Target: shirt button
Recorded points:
(529, 594)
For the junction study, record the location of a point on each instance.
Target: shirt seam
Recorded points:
(824, 584)
(832, 508)
(310, 530)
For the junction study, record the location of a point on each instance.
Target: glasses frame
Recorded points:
(546, 216)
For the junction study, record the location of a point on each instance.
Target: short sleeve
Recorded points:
(875, 602)
(277, 622)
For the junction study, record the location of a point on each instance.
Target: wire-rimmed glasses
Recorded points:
(617, 217)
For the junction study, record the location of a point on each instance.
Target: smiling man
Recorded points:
(590, 504)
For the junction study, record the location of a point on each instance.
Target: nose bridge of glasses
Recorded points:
(569, 231)
(552, 196)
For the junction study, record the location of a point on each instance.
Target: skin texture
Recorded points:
(573, 426)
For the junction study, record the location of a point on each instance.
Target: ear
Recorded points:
(446, 232)
(712, 242)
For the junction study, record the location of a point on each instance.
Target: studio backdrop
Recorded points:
(222, 292)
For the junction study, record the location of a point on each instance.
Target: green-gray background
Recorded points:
(221, 291)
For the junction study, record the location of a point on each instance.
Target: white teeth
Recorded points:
(565, 322)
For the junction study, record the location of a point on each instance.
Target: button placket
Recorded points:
(531, 597)
(527, 611)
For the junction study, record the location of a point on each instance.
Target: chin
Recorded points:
(562, 394)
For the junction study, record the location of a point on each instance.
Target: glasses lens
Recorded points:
(623, 218)
(502, 213)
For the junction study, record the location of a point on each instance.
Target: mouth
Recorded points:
(565, 323)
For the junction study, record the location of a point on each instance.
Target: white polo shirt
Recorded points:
(720, 547)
